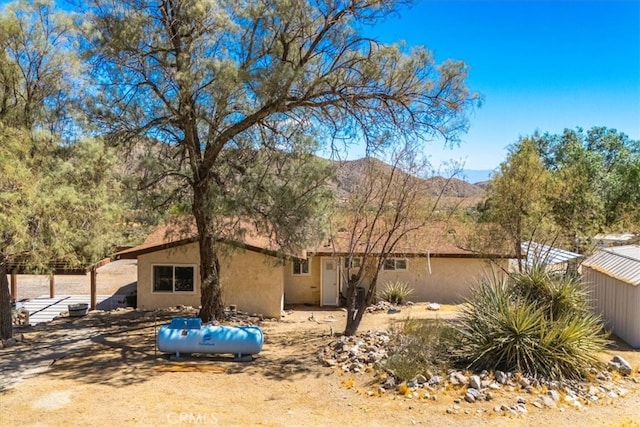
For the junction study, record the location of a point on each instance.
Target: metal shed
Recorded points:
(613, 277)
(553, 259)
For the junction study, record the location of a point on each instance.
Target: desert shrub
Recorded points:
(419, 345)
(535, 323)
(395, 292)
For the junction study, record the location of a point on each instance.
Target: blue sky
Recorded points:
(545, 65)
(540, 65)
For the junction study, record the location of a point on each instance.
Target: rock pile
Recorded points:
(355, 354)
(368, 352)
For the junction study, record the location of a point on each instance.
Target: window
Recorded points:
(301, 267)
(395, 264)
(356, 262)
(173, 278)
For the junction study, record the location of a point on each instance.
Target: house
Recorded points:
(612, 275)
(251, 270)
(432, 263)
(259, 277)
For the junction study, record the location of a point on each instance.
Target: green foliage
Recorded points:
(418, 346)
(595, 182)
(534, 322)
(239, 101)
(517, 201)
(395, 292)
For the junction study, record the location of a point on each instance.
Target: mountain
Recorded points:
(350, 173)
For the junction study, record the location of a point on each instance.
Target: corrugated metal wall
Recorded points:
(617, 302)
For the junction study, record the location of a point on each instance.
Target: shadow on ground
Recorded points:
(118, 348)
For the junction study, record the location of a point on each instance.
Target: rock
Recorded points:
(537, 404)
(434, 380)
(412, 383)
(475, 382)
(497, 408)
(329, 362)
(421, 379)
(548, 402)
(524, 382)
(521, 400)
(553, 394)
(472, 395)
(520, 407)
(501, 377)
(458, 378)
(390, 383)
(433, 306)
(617, 363)
(594, 391)
(489, 396)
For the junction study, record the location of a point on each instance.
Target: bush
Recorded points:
(419, 345)
(535, 323)
(395, 292)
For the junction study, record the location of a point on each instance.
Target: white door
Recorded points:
(329, 282)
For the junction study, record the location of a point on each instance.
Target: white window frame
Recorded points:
(173, 267)
(301, 263)
(395, 264)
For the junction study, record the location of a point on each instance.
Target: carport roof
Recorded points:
(622, 263)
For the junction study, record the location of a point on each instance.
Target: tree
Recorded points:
(517, 194)
(384, 210)
(595, 187)
(56, 197)
(212, 79)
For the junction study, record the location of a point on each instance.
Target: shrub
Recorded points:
(419, 345)
(535, 323)
(395, 292)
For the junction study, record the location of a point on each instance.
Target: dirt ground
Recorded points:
(103, 369)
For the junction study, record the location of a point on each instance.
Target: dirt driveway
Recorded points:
(103, 369)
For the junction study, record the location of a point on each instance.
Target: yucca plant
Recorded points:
(395, 292)
(535, 323)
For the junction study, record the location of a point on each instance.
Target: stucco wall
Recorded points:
(302, 289)
(250, 280)
(254, 282)
(449, 281)
(617, 302)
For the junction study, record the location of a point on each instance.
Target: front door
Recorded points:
(329, 282)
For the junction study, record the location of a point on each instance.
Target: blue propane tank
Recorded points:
(189, 335)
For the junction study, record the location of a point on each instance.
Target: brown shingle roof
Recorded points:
(178, 232)
(437, 240)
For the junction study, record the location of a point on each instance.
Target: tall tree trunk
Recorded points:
(212, 307)
(6, 328)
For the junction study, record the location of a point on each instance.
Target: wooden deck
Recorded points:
(43, 309)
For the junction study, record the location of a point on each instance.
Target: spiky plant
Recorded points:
(535, 323)
(395, 292)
